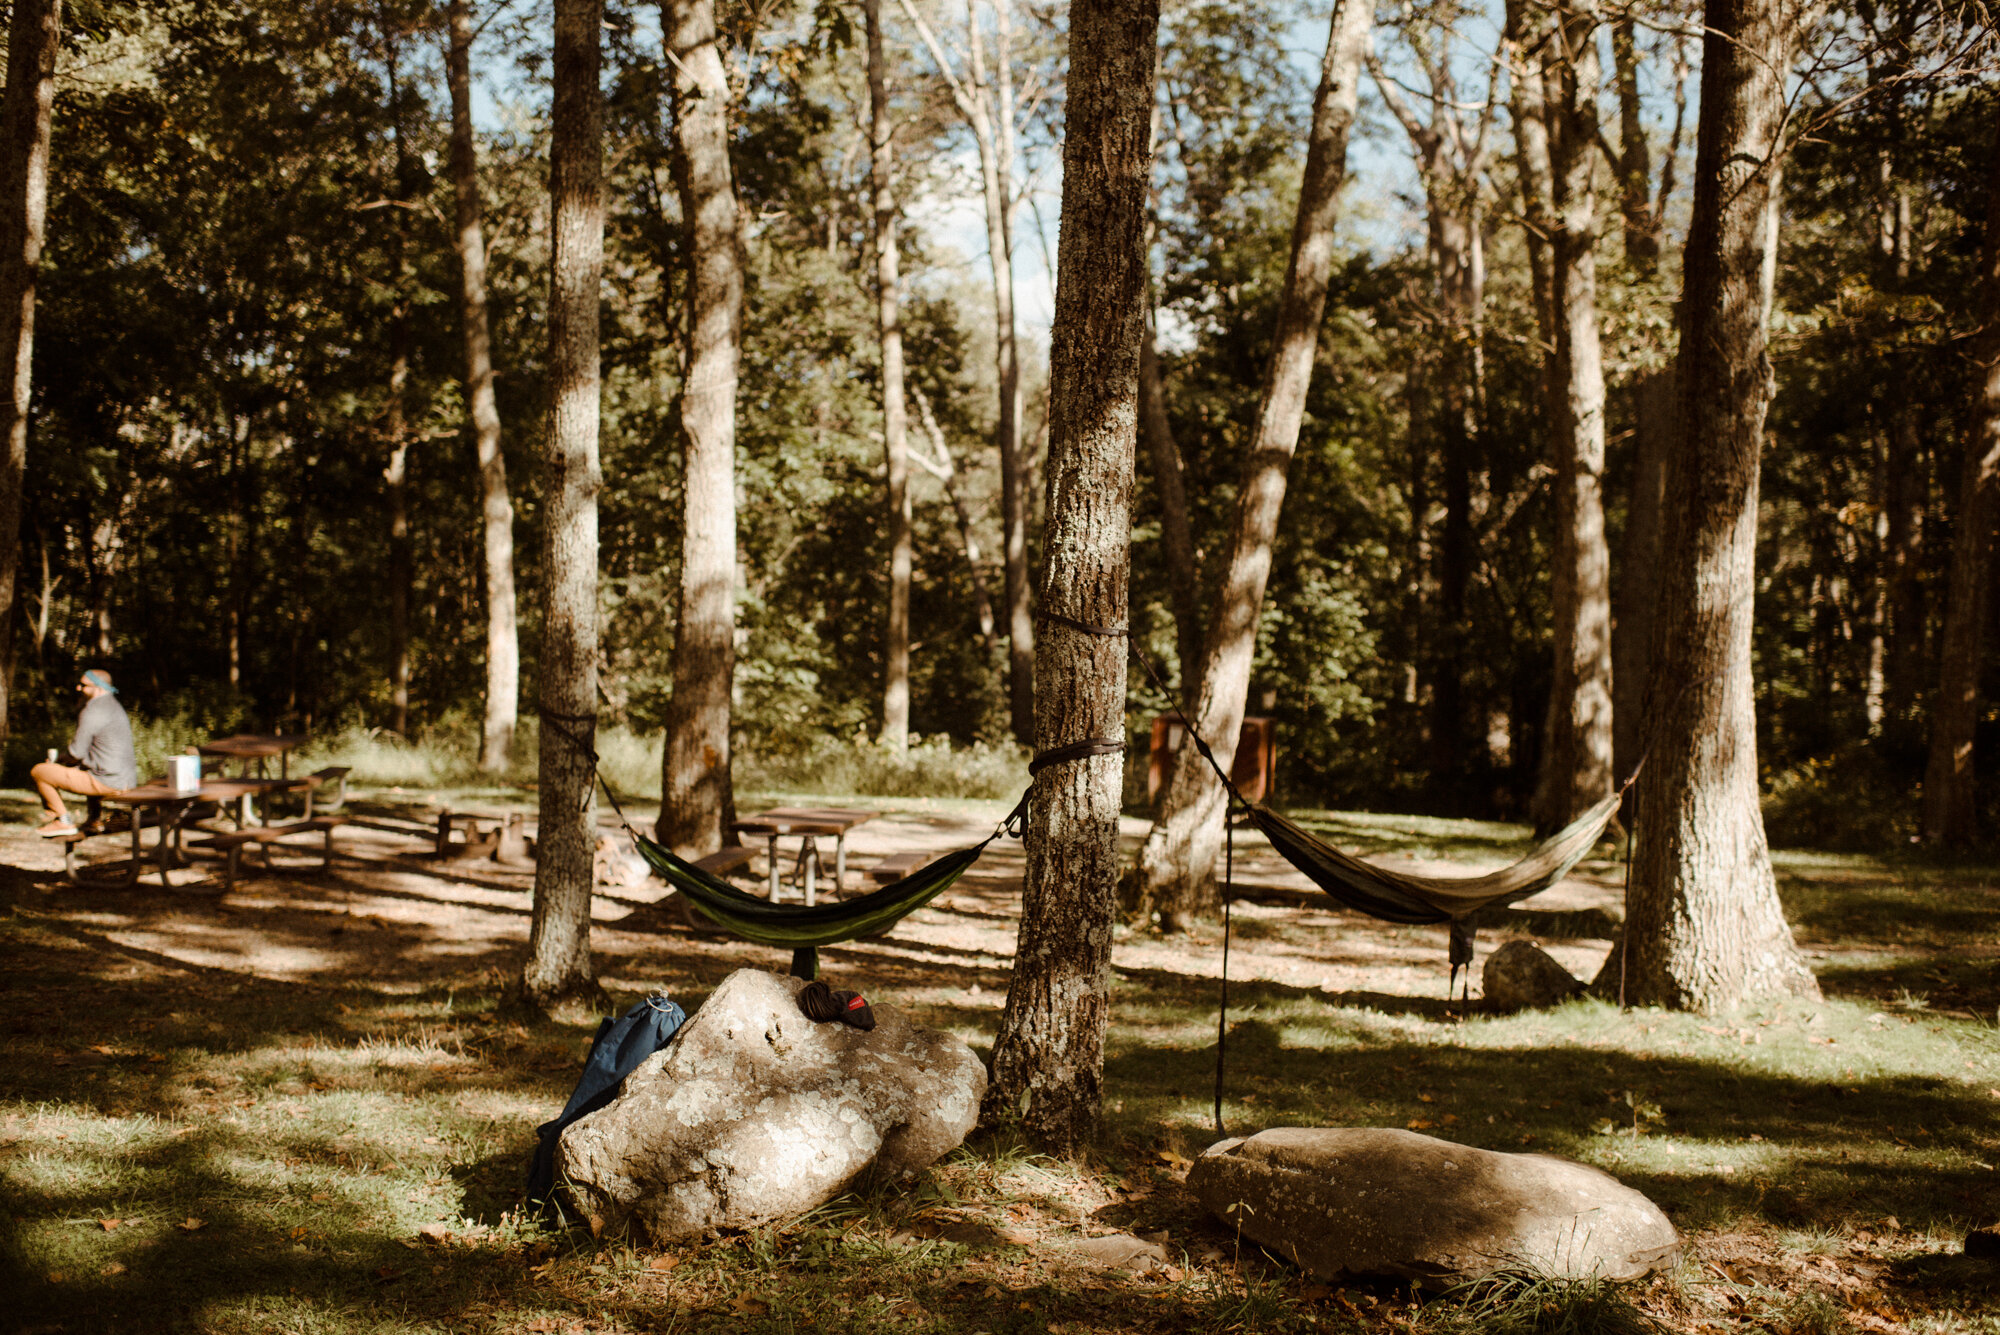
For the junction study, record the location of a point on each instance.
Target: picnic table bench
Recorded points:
(232, 844)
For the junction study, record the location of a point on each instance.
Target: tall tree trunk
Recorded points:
(1950, 811)
(1704, 928)
(396, 425)
(1908, 494)
(1637, 588)
(895, 444)
(1176, 534)
(1015, 475)
(1455, 238)
(1641, 222)
(33, 39)
(696, 787)
(1177, 861)
(1050, 1049)
(503, 647)
(396, 485)
(1576, 749)
(559, 935)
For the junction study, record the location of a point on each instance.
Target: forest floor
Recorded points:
(307, 1103)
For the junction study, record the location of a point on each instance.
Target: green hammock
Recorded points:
(1401, 897)
(803, 929)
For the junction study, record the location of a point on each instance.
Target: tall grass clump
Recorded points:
(1525, 1303)
(930, 767)
(446, 755)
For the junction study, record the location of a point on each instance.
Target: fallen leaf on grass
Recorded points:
(664, 1262)
(109, 1224)
(745, 1304)
(321, 1196)
(114, 1268)
(1419, 1124)
(190, 1224)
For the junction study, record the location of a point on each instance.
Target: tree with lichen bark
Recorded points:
(1048, 1059)
(1554, 94)
(25, 114)
(697, 797)
(1704, 928)
(496, 507)
(559, 964)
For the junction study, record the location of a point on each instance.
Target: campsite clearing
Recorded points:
(306, 1103)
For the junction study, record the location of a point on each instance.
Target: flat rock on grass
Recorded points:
(1378, 1201)
(755, 1113)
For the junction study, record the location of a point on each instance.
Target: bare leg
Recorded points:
(43, 775)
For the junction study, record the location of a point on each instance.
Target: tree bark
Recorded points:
(1177, 861)
(34, 36)
(496, 507)
(1704, 927)
(1176, 534)
(396, 486)
(1908, 495)
(1576, 752)
(1641, 221)
(1638, 579)
(1050, 1049)
(559, 934)
(696, 788)
(396, 424)
(1950, 811)
(895, 420)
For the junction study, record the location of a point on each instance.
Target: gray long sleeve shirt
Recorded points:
(103, 742)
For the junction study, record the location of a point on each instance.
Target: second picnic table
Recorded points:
(245, 747)
(808, 824)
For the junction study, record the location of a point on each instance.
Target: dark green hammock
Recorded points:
(803, 929)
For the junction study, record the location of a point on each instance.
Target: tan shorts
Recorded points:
(70, 779)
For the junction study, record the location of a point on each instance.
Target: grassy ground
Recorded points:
(201, 1149)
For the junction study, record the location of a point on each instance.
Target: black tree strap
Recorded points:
(559, 724)
(1092, 746)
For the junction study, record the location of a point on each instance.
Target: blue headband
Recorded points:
(96, 678)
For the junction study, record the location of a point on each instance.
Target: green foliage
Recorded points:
(1852, 801)
(931, 767)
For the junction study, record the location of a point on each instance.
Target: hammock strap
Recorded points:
(1090, 746)
(561, 724)
(1187, 724)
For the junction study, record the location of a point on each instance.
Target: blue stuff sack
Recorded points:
(615, 1053)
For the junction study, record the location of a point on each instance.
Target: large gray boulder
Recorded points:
(1521, 976)
(755, 1113)
(1377, 1201)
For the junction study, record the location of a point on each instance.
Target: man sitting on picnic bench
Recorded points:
(100, 759)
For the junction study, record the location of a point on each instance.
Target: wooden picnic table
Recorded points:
(168, 805)
(246, 747)
(808, 825)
